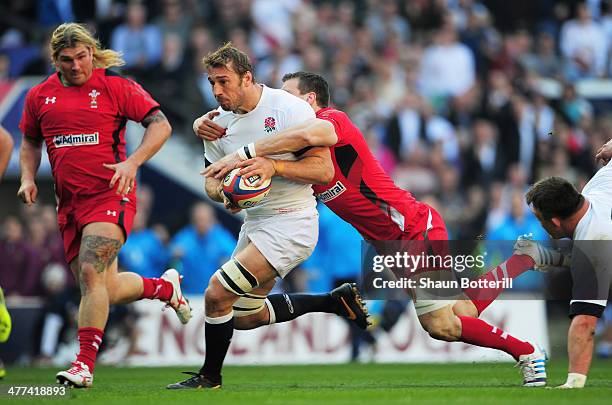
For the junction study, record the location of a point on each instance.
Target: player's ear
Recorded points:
(556, 222)
(311, 98)
(247, 78)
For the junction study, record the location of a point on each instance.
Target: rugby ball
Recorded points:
(240, 190)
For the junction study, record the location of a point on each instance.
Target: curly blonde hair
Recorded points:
(69, 35)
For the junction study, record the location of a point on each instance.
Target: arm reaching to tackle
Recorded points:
(313, 167)
(313, 132)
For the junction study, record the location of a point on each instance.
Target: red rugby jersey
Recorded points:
(361, 192)
(84, 127)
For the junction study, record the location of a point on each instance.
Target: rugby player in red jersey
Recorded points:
(80, 112)
(365, 196)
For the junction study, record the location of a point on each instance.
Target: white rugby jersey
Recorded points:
(276, 110)
(596, 224)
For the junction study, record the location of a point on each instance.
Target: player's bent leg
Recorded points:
(123, 287)
(234, 279)
(465, 308)
(100, 244)
(126, 287)
(344, 301)
(443, 324)
(440, 321)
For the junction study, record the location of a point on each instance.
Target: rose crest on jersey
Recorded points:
(269, 124)
(94, 95)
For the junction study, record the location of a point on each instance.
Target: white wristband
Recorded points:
(246, 152)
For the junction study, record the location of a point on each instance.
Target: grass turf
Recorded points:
(472, 384)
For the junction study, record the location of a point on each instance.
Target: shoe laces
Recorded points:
(195, 377)
(527, 369)
(76, 367)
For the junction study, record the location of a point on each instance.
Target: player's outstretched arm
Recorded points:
(605, 152)
(29, 161)
(157, 133)
(314, 167)
(313, 132)
(6, 148)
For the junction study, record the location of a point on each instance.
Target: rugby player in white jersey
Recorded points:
(277, 235)
(587, 219)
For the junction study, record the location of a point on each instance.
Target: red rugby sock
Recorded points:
(510, 269)
(477, 332)
(156, 289)
(90, 340)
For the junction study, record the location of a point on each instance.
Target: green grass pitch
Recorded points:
(473, 383)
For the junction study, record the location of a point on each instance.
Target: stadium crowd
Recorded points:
(464, 102)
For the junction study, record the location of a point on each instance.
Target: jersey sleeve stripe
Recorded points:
(117, 140)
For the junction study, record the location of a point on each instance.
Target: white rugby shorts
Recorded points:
(285, 240)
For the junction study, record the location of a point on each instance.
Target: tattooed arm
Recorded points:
(157, 132)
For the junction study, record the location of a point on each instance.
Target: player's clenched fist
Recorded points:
(28, 192)
(206, 129)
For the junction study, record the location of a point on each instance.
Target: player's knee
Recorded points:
(447, 329)
(89, 278)
(584, 325)
(215, 295)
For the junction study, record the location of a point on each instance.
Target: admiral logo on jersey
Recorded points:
(332, 193)
(61, 141)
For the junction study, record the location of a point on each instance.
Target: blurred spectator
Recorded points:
(328, 267)
(604, 331)
(273, 27)
(138, 41)
(384, 20)
(416, 123)
(144, 252)
(59, 314)
(15, 257)
(447, 66)
(574, 107)
(544, 60)
(174, 20)
(520, 220)
(165, 82)
(584, 45)
(481, 161)
(54, 12)
(201, 248)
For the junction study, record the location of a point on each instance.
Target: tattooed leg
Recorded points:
(100, 245)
